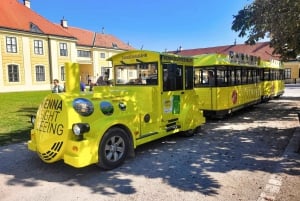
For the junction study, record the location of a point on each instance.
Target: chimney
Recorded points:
(27, 3)
(64, 23)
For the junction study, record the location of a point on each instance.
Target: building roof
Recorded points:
(94, 39)
(261, 49)
(15, 15)
(84, 37)
(107, 40)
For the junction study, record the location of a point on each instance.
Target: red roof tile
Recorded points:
(15, 15)
(262, 49)
(93, 39)
(84, 37)
(107, 40)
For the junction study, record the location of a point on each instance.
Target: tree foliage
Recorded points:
(278, 20)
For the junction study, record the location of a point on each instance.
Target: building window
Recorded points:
(38, 47)
(62, 73)
(102, 55)
(40, 73)
(13, 73)
(63, 49)
(82, 53)
(11, 44)
(287, 73)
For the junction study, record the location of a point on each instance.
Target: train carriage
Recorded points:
(226, 83)
(272, 79)
(152, 96)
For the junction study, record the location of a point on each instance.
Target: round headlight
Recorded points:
(83, 106)
(76, 129)
(32, 119)
(107, 108)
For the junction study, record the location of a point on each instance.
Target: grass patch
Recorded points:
(16, 109)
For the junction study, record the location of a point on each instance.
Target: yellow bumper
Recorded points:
(76, 153)
(31, 144)
(80, 153)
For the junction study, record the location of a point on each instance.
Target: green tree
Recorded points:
(278, 20)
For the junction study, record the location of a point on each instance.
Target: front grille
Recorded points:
(172, 125)
(52, 152)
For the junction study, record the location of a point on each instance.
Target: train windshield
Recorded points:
(136, 74)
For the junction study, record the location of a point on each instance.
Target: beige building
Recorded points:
(292, 72)
(33, 50)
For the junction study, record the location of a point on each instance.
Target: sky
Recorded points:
(158, 25)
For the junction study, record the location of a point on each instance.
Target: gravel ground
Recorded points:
(249, 156)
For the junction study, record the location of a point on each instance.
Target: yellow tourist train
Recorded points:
(227, 83)
(152, 96)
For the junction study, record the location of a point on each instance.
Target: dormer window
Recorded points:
(114, 45)
(35, 28)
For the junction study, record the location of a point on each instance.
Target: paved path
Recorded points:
(250, 156)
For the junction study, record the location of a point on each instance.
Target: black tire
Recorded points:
(113, 148)
(188, 133)
(192, 132)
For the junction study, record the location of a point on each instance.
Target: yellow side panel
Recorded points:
(222, 98)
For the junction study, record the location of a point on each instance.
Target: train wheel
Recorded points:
(113, 148)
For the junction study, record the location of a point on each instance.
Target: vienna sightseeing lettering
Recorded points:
(52, 104)
(51, 110)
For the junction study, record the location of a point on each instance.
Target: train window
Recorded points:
(277, 73)
(197, 77)
(273, 75)
(256, 75)
(204, 77)
(221, 77)
(250, 78)
(266, 75)
(261, 74)
(189, 82)
(173, 78)
(137, 74)
(231, 76)
(238, 76)
(210, 76)
(244, 75)
(228, 76)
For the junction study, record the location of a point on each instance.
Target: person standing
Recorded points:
(57, 88)
(82, 86)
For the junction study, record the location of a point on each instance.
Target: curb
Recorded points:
(274, 183)
(294, 144)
